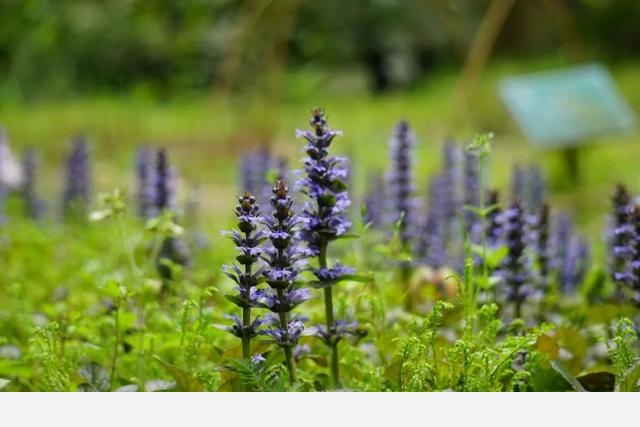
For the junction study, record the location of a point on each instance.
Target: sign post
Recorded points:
(565, 109)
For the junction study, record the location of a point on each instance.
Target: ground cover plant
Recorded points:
(310, 286)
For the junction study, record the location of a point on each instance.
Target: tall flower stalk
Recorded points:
(324, 220)
(146, 180)
(450, 201)
(173, 248)
(431, 244)
(401, 183)
(542, 246)
(622, 236)
(514, 267)
(401, 195)
(633, 273)
(75, 199)
(247, 238)
(283, 261)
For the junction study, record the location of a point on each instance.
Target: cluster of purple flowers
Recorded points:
(145, 179)
(541, 239)
(324, 215)
(248, 239)
(156, 182)
(279, 261)
(401, 187)
(623, 231)
(634, 261)
(514, 269)
(75, 198)
(324, 219)
(283, 259)
(156, 193)
(430, 245)
(625, 246)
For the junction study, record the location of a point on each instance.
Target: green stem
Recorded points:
(246, 322)
(246, 341)
(116, 346)
(127, 245)
(405, 276)
(330, 320)
(284, 325)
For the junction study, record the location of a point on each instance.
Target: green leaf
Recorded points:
(338, 186)
(240, 302)
(598, 381)
(4, 382)
(185, 381)
(629, 382)
(568, 376)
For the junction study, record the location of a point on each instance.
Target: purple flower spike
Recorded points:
(575, 265)
(324, 215)
(623, 234)
(632, 275)
(165, 183)
(514, 267)
(430, 246)
(283, 260)
(75, 199)
(401, 188)
(543, 246)
(146, 183)
(248, 239)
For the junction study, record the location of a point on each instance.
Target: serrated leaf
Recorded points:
(185, 381)
(568, 377)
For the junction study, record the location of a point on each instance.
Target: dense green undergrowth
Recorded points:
(82, 308)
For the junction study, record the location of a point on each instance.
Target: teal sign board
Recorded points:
(567, 107)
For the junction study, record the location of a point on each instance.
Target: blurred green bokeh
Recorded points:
(63, 47)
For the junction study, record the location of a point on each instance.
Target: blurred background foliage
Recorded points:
(211, 79)
(166, 47)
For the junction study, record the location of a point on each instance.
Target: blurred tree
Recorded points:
(53, 47)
